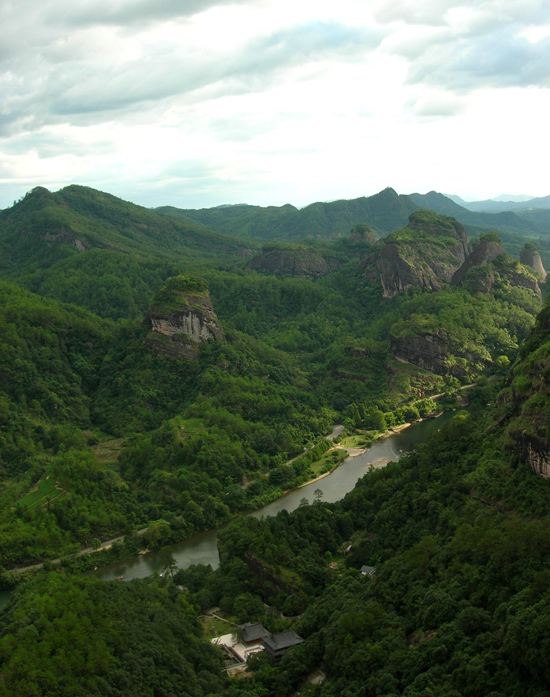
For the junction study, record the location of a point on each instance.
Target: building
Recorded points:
(276, 644)
(368, 570)
(253, 633)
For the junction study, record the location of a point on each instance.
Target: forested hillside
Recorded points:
(109, 256)
(458, 533)
(108, 430)
(158, 378)
(383, 212)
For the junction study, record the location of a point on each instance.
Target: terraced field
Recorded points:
(46, 490)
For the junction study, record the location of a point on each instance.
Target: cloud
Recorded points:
(72, 85)
(426, 12)
(434, 104)
(204, 97)
(501, 59)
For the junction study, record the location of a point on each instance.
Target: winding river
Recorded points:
(202, 548)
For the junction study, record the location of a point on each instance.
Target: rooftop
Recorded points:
(253, 631)
(284, 640)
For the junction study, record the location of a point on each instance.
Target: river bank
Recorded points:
(201, 548)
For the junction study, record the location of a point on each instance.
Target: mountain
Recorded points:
(180, 388)
(529, 256)
(425, 254)
(383, 212)
(182, 318)
(77, 219)
(503, 203)
(88, 247)
(506, 221)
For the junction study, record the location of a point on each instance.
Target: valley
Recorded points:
(168, 373)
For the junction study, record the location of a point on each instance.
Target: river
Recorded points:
(202, 548)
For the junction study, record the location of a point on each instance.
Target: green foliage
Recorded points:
(383, 212)
(73, 636)
(491, 236)
(134, 440)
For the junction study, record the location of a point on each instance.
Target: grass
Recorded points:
(109, 450)
(357, 441)
(46, 490)
(213, 627)
(328, 462)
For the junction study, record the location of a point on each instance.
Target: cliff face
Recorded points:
(182, 317)
(536, 453)
(489, 263)
(298, 263)
(424, 254)
(527, 400)
(530, 257)
(427, 351)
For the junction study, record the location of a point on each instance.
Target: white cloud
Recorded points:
(199, 103)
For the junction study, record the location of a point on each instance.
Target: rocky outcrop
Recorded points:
(270, 584)
(489, 263)
(530, 257)
(536, 452)
(485, 253)
(181, 317)
(425, 254)
(427, 351)
(298, 263)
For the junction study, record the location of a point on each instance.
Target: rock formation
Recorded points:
(285, 260)
(425, 254)
(489, 263)
(181, 318)
(530, 257)
(425, 350)
(536, 452)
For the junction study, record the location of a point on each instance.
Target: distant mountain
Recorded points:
(503, 203)
(517, 198)
(383, 212)
(507, 221)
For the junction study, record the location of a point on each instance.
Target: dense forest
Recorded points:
(109, 427)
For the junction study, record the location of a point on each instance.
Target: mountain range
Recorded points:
(159, 377)
(383, 212)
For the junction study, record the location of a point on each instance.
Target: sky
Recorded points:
(197, 103)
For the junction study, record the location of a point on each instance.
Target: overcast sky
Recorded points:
(196, 103)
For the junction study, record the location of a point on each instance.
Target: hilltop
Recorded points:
(383, 212)
(85, 246)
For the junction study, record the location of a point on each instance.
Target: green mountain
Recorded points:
(382, 212)
(506, 220)
(519, 205)
(179, 387)
(109, 256)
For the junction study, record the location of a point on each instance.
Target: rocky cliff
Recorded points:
(526, 400)
(181, 317)
(286, 260)
(428, 351)
(489, 264)
(530, 257)
(424, 254)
